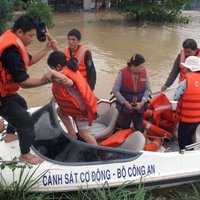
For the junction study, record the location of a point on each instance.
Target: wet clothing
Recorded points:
(90, 72)
(13, 107)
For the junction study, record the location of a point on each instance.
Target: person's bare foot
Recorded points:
(31, 159)
(2, 126)
(10, 137)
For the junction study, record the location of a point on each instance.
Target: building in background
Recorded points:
(75, 5)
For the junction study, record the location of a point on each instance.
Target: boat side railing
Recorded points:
(190, 147)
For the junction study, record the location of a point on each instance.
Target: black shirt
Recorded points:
(12, 60)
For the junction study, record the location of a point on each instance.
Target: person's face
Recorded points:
(27, 37)
(190, 52)
(73, 42)
(137, 69)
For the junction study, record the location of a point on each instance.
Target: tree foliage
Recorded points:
(150, 10)
(41, 12)
(6, 14)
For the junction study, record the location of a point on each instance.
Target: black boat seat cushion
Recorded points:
(104, 126)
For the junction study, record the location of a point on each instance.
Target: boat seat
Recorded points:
(104, 126)
(135, 142)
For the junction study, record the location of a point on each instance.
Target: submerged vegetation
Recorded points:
(151, 10)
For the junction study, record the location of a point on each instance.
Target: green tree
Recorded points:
(6, 15)
(150, 10)
(41, 12)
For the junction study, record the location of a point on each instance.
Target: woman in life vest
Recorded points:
(188, 96)
(76, 100)
(132, 89)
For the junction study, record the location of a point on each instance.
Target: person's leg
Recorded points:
(68, 123)
(138, 119)
(191, 131)
(84, 132)
(2, 126)
(20, 119)
(10, 130)
(87, 136)
(183, 132)
(124, 120)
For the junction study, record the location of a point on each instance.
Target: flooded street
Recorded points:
(112, 43)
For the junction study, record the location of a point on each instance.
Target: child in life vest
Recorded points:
(132, 89)
(72, 99)
(188, 106)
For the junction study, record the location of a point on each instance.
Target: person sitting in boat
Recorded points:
(132, 89)
(188, 97)
(76, 100)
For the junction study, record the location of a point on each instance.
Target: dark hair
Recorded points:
(190, 44)
(24, 22)
(76, 33)
(57, 58)
(136, 60)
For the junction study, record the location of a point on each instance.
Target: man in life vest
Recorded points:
(189, 49)
(83, 55)
(188, 96)
(15, 60)
(76, 100)
(132, 89)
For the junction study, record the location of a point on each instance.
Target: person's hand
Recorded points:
(139, 105)
(53, 43)
(163, 88)
(128, 105)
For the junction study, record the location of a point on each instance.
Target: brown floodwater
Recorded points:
(112, 43)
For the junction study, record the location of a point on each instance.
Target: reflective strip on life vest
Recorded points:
(163, 107)
(80, 56)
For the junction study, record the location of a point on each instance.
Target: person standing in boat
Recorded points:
(189, 49)
(15, 61)
(83, 55)
(188, 97)
(76, 100)
(132, 89)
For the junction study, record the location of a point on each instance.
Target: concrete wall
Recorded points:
(87, 4)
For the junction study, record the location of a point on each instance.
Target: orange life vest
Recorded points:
(7, 84)
(117, 138)
(160, 105)
(188, 107)
(69, 104)
(182, 60)
(80, 55)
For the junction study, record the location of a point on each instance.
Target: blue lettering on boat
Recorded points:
(52, 179)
